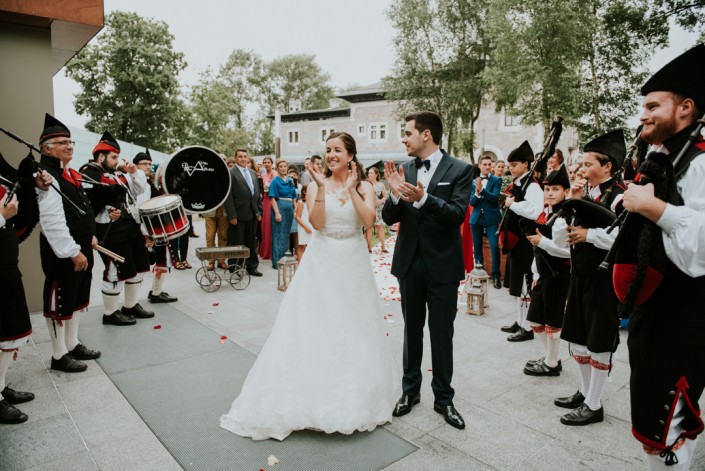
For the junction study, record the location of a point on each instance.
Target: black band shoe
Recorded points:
(68, 364)
(10, 414)
(541, 360)
(81, 352)
(137, 311)
(497, 284)
(510, 329)
(118, 318)
(570, 402)
(451, 415)
(542, 369)
(405, 403)
(583, 415)
(162, 297)
(16, 397)
(521, 335)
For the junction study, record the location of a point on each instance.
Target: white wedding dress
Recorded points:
(327, 364)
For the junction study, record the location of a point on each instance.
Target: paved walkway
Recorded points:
(82, 422)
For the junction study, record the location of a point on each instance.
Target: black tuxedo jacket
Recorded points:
(240, 203)
(434, 228)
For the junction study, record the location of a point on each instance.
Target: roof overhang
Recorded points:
(73, 23)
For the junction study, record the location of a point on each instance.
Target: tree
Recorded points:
(442, 50)
(621, 41)
(240, 74)
(535, 67)
(129, 82)
(686, 13)
(292, 80)
(212, 112)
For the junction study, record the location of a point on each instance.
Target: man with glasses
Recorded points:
(118, 229)
(66, 246)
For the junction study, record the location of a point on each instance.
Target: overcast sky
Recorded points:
(352, 40)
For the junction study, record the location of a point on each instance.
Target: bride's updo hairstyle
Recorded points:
(349, 144)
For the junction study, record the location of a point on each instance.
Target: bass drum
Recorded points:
(198, 175)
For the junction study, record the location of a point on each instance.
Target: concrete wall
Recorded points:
(25, 95)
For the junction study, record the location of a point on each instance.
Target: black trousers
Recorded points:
(419, 290)
(244, 233)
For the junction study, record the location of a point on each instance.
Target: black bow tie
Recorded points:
(484, 178)
(422, 163)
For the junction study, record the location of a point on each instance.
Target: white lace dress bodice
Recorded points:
(327, 363)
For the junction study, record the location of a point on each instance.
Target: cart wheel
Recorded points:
(209, 281)
(239, 279)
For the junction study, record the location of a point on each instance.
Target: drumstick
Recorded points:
(107, 252)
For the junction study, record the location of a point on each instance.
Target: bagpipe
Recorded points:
(546, 264)
(509, 230)
(20, 182)
(638, 256)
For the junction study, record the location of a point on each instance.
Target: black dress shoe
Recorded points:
(510, 329)
(81, 352)
(254, 272)
(542, 369)
(118, 318)
(583, 415)
(16, 397)
(10, 414)
(68, 364)
(497, 284)
(451, 415)
(137, 311)
(541, 360)
(570, 402)
(405, 403)
(521, 335)
(162, 297)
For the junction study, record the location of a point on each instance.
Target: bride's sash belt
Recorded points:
(339, 234)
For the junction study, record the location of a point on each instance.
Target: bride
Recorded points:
(327, 364)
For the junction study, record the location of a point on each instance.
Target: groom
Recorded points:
(429, 197)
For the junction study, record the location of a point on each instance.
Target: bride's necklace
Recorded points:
(338, 193)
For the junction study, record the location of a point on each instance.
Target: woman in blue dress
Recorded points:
(282, 194)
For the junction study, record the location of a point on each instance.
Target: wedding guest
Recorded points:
(282, 196)
(265, 246)
(373, 177)
(305, 230)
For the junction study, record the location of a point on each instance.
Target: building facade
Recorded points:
(374, 123)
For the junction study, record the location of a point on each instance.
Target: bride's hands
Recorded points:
(353, 177)
(317, 176)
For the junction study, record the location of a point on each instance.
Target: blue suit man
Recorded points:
(486, 215)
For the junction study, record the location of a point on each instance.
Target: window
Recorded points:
(361, 130)
(378, 132)
(325, 132)
(402, 130)
(293, 137)
(510, 119)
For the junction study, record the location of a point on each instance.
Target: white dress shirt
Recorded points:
(532, 205)
(424, 176)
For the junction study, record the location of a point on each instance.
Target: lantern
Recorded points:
(286, 267)
(475, 290)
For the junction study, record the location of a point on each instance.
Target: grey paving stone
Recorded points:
(492, 439)
(81, 461)
(437, 455)
(142, 453)
(35, 443)
(561, 456)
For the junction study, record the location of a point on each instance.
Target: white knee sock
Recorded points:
(58, 338)
(72, 331)
(5, 360)
(132, 292)
(540, 332)
(582, 359)
(598, 379)
(158, 282)
(552, 350)
(522, 310)
(684, 455)
(110, 302)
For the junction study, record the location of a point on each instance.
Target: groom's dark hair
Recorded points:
(424, 120)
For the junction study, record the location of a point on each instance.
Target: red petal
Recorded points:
(157, 327)
(223, 337)
(216, 304)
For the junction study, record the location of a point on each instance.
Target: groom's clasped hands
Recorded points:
(400, 187)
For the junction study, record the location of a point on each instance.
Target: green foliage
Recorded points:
(442, 50)
(129, 82)
(687, 13)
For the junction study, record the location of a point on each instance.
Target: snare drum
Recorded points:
(164, 218)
